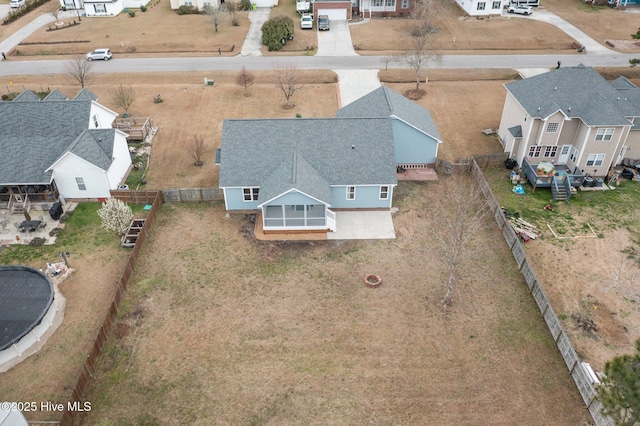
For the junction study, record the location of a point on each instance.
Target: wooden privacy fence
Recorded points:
(192, 195)
(466, 164)
(579, 371)
(89, 366)
(135, 197)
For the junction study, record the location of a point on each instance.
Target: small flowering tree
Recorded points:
(115, 215)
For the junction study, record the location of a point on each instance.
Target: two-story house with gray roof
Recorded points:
(571, 118)
(59, 147)
(297, 172)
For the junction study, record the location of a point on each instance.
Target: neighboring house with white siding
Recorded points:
(59, 147)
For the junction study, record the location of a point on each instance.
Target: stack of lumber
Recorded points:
(523, 228)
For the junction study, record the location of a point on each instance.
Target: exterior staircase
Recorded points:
(560, 189)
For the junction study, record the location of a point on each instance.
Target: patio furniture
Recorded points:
(29, 225)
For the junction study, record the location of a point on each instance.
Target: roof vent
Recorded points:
(353, 147)
(618, 98)
(538, 108)
(555, 88)
(569, 109)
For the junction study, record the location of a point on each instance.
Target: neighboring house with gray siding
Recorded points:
(297, 172)
(573, 118)
(59, 147)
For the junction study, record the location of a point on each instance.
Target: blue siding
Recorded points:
(366, 197)
(413, 146)
(292, 198)
(235, 201)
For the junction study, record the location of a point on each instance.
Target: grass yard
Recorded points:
(600, 22)
(224, 329)
(458, 34)
(591, 271)
(97, 261)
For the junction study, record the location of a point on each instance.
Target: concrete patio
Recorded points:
(10, 234)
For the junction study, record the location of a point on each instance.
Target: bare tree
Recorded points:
(246, 79)
(54, 10)
(421, 46)
(195, 149)
(233, 8)
(79, 70)
(288, 80)
(123, 96)
(215, 15)
(458, 215)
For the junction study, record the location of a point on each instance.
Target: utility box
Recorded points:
(209, 82)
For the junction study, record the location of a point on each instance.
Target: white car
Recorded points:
(17, 3)
(99, 54)
(520, 9)
(306, 21)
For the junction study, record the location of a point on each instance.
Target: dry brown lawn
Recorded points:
(222, 329)
(600, 22)
(458, 34)
(155, 32)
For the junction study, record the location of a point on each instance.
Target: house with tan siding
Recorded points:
(572, 118)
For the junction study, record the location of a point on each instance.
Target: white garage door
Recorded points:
(263, 3)
(334, 14)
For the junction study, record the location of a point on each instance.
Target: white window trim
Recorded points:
(404, 4)
(496, 5)
(597, 159)
(351, 192)
(605, 133)
(553, 127)
(550, 151)
(534, 151)
(574, 154)
(81, 185)
(252, 195)
(385, 192)
(483, 4)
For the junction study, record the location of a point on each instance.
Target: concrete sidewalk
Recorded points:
(363, 225)
(14, 39)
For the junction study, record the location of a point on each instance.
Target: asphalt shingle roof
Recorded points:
(579, 92)
(55, 95)
(384, 102)
(315, 153)
(37, 133)
(631, 93)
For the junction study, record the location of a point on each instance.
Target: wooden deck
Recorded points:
(136, 128)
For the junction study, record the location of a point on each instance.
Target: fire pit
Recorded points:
(373, 281)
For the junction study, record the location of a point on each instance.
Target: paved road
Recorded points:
(125, 65)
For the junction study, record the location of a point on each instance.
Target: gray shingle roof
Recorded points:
(259, 152)
(36, 133)
(579, 92)
(295, 173)
(85, 95)
(631, 93)
(384, 102)
(55, 95)
(516, 131)
(26, 96)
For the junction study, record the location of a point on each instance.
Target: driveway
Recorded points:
(354, 84)
(336, 41)
(253, 41)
